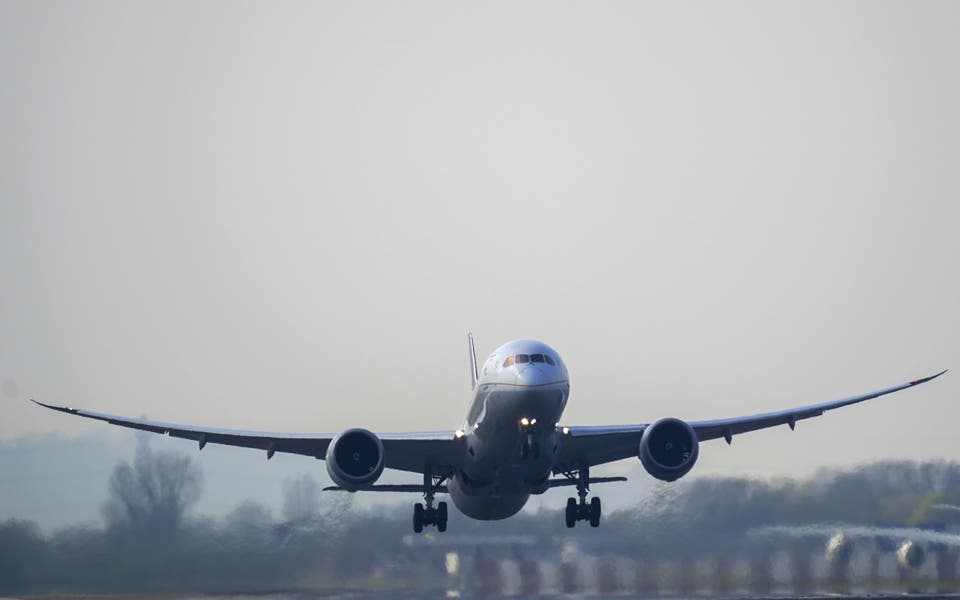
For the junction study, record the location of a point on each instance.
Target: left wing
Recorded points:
(402, 451)
(596, 445)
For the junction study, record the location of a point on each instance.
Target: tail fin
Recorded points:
(474, 374)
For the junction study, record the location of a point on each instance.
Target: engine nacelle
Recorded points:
(669, 449)
(355, 459)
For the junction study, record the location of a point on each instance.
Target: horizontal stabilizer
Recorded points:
(415, 488)
(386, 487)
(564, 482)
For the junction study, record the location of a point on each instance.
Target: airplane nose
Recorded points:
(531, 376)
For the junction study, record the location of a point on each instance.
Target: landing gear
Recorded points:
(595, 512)
(529, 448)
(581, 511)
(442, 517)
(417, 517)
(426, 514)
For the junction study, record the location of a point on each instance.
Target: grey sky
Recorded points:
(287, 216)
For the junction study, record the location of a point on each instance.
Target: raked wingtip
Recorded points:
(65, 409)
(930, 378)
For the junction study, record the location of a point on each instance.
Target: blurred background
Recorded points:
(887, 528)
(287, 217)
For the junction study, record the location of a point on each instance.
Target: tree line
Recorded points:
(150, 540)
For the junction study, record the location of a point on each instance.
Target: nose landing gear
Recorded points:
(582, 511)
(529, 448)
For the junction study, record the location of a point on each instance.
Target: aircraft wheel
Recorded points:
(595, 512)
(442, 517)
(417, 517)
(571, 513)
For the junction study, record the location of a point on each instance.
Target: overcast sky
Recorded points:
(287, 216)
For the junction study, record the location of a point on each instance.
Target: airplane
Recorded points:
(511, 444)
(910, 544)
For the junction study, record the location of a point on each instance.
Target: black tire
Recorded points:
(417, 517)
(595, 512)
(442, 517)
(571, 513)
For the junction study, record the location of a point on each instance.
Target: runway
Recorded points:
(435, 593)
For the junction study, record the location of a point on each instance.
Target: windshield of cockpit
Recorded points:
(520, 359)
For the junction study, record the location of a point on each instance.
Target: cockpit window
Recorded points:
(528, 358)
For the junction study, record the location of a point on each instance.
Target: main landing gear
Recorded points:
(428, 515)
(582, 511)
(425, 513)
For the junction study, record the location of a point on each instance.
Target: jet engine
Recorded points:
(910, 555)
(355, 459)
(669, 449)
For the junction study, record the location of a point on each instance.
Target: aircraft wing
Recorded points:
(596, 445)
(402, 451)
(826, 530)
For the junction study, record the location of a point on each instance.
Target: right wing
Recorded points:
(587, 446)
(727, 428)
(402, 451)
(591, 445)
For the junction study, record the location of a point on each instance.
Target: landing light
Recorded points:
(524, 421)
(533, 421)
(566, 431)
(458, 434)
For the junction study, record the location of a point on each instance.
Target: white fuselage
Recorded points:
(511, 430)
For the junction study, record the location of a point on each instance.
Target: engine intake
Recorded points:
(669, 449)
(355, 459)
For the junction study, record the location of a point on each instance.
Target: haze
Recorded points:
(288, 216)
